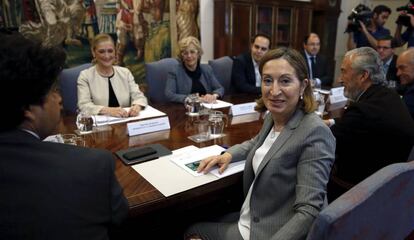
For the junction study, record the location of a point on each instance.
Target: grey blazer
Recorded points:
(179, 83)
(290, 185)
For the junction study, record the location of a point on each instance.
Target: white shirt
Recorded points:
(257, 73)
(244, 220)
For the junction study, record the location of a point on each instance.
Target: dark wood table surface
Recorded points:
(144, 198)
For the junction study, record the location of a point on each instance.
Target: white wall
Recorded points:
(346, 7)
(207, 29)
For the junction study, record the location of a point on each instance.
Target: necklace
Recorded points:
(106, 72)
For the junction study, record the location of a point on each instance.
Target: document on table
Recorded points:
(148, 112)
(218, 104)
(170, 175)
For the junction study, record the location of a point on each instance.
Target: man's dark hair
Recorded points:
(28, 71)
(261, 35)
(380, 9)
(388, 37)
(306, 38)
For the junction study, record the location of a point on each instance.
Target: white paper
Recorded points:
(148, 112)
(244, 108)
(147, 126)
(169, 178)
(231, 169)
(218, 104)
(245, 118)
(190, 157)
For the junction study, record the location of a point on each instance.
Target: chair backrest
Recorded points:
(68, 86)
(156, 76)
(380, 207)
(222, 70)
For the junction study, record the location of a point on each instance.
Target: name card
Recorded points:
(244, 108)
(337, 99)
(151, 125)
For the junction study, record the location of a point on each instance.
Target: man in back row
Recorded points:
(405, 71)
(375, 130)
(316, 63)
(48, 190)
(245, 76)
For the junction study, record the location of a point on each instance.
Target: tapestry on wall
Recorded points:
(142, 29)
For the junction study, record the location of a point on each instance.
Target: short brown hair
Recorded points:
(296, 60)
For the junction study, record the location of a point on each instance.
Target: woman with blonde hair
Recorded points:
(192, 77)
(107, 89)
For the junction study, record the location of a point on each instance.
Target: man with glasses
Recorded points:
(385, 48)
(245, 76)
(48, 190)
(316, 63)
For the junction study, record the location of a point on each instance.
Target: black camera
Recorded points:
(359, 13)
(404, 19)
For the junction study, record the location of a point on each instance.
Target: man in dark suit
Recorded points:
(48, 190)
(316, 63)
(385, 48)
(405, 66)
(375, 130)
(245, 76)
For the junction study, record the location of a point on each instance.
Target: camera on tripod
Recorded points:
(359, 13)
(404, 19)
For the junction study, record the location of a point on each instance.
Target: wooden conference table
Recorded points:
(143, 198)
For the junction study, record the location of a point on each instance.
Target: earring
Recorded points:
(301, 97)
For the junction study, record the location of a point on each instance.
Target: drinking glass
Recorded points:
(84, 122)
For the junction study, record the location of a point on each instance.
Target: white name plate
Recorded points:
(244, 108)
(151, 125)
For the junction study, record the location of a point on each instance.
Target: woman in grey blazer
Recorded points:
(192, 77)
(287, 164)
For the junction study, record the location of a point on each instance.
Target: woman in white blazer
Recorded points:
(287, 164)
(107, 89)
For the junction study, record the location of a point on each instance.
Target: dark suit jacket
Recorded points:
(243, 77)
(321, 71)
(56, 191)
(392, 75)
(409, 100)
(374, 132)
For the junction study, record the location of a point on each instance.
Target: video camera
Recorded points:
(404, 19)
(359, 13)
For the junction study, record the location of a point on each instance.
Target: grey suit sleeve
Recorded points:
(171, 88)
(214, 83)
(313, 172)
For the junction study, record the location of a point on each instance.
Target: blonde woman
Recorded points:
(106, 89)
(192, 77)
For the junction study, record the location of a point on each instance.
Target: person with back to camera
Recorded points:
(192, 77)
(48, 190)
(106, 89)
(287, 164)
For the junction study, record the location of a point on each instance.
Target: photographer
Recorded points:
(405, 19)
(368, 34)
